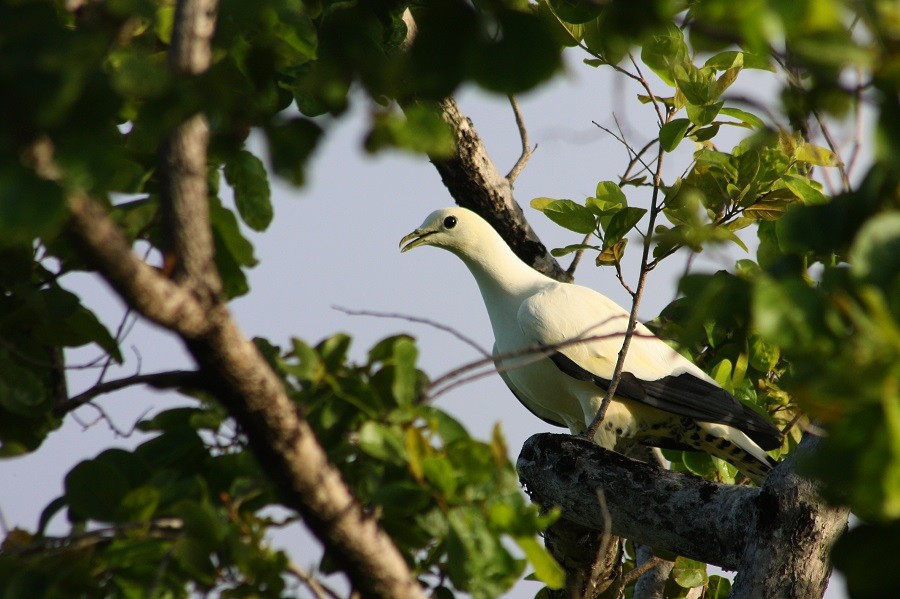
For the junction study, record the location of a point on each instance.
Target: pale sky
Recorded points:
(334, 242)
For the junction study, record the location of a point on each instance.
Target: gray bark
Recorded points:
(476, 184)
(790, 537)
(686, 515)
(777, 536)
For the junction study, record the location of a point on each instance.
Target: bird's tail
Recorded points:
(736, 448)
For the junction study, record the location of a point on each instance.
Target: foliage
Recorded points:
(190, 507)
(88, 98)
(821, 299)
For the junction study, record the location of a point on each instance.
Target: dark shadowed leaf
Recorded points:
(247, 175)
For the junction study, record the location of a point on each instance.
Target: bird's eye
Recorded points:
(449, 222)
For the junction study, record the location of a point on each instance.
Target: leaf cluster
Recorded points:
(806, 332)
(450, 502)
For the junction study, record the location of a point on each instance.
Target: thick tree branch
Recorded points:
(140, 285)
(668, 510)
(182, 160)
(777, 536)
(475, 183)
(283, 443)
(790, 536)
(239, 376)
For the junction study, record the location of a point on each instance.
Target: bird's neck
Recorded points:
(504, 281)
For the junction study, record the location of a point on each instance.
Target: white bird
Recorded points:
(662, 399)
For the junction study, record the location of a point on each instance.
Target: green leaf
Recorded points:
(665, 50)
(232, 249)
(247, 175)
(763, 356)
(406, 376)
(745, 117)
(95, 488)
(419, 129)
(290, 146)
(478, 562)
(726, 60)
(524, 54)
(576, 11)
(541, 203)
(308, 367)
(609, 199)
(21, 391)
(813, 154)
(440, 473)
(29, 206)
(563, 251)
(702, 115)
(671, 134)
(621, 223)
(805, 189)
(721, 372)
(865, 547)
(382, 442)
(689, 573)
(546, 568)
(570, 215)
(718, 587)
(875, 253)
(698, 463)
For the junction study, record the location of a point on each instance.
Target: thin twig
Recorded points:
(826, 133)
(570, 272)
(622, 141)
(857, 124)
(165, 528)
(639, 290)
(639, 571)
(320, 590)
(158, 380)
(419, 320)
(531, 355)
(527, 150)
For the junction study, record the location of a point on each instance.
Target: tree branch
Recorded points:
(475, 183)
(140, 285)
(790, 535)
(527, 150)
(158, 380)
(182, 160)
(283, 443)
(777, 535)
(646, 504)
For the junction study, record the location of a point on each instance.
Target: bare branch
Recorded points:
(158, 380)
(527, 150)
(826, 133)
(419, 320)
(475, 183)
(635, 304)
(315, 586)
(576, 259)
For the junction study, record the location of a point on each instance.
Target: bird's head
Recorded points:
(456, 229)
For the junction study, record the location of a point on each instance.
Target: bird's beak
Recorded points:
(415, 239)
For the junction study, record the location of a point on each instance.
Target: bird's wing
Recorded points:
(654, 373)
(547, 417)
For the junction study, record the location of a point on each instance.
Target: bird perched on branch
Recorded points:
(662, 399)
